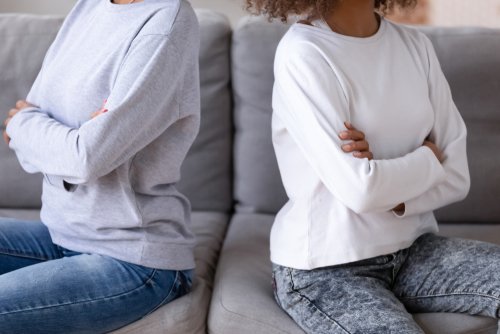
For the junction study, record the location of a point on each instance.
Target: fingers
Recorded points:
(361, 145)
(352, 135)
(362, 155)
(349, 126)
(13, 111)
(23, 104)
(6, 137)
(7, 120)
(97, 113)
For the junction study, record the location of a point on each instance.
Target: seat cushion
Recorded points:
(243, 300)
(25, 214)
(187, 314)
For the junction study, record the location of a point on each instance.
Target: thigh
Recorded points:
(451, 275)
(85, 293)
(24, 243)
(342, 300)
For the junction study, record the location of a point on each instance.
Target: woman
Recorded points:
(354, 249)
(108, 122)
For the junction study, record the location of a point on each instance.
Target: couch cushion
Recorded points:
(25, 214)
(470, 62)
(24, 40)
(189, 313)
(258, 186)
(206, 172)
(243, 300)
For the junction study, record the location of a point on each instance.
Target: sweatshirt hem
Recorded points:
(163, 257)
(285, 259)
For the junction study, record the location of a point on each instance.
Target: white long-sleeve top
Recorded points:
(390, 86)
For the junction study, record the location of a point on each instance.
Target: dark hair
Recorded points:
(282, 9)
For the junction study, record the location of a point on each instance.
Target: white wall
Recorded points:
(231, 8)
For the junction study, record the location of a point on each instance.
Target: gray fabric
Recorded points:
(24, 40)
(206, 172)
(123, 164)
(189, 313)
(451, 323)
(26, 214)
(243, 300)
(469, 60)
(258, 186)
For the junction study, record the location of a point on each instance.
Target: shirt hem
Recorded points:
(180, 257)
(286, 259)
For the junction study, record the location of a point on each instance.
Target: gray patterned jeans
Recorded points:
(374, 296)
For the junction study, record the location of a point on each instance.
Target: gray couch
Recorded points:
(231, 175)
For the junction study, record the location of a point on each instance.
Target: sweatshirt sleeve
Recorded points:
(142, 104)
(309, 100)
(449, 134)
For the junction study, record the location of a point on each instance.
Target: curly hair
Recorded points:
(283, 9)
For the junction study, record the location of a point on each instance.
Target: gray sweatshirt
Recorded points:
(109, 182)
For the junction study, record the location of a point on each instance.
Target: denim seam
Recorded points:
(168, 295)
(313, 305)
(81, 301)
(482, 294)
(31, 256)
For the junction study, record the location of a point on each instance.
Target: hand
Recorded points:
(21, 104)
(437, 152)
(100, 111)
(359, 145)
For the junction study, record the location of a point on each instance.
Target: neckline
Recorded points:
(123, 7)
(322, 26)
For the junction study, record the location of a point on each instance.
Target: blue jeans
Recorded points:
(45, 288)
(374, 296)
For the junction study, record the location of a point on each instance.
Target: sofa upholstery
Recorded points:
(206, 172)
(233, 154)
(242, 301)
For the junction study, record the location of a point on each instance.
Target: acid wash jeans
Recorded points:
(375, 296)
(45, 288)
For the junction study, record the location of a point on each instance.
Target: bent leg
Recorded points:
(343, 300)
(24, 243)
(451, 275)
(83, 294)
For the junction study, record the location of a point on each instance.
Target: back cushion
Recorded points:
(470, 61)
(206, 173)
(24, 39)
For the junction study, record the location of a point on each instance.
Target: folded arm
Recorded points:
(449, 133)
(313, 109)
(143, 104)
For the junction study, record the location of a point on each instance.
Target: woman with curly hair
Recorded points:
(369, 142)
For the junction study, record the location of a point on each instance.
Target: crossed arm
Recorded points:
(21, 104)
